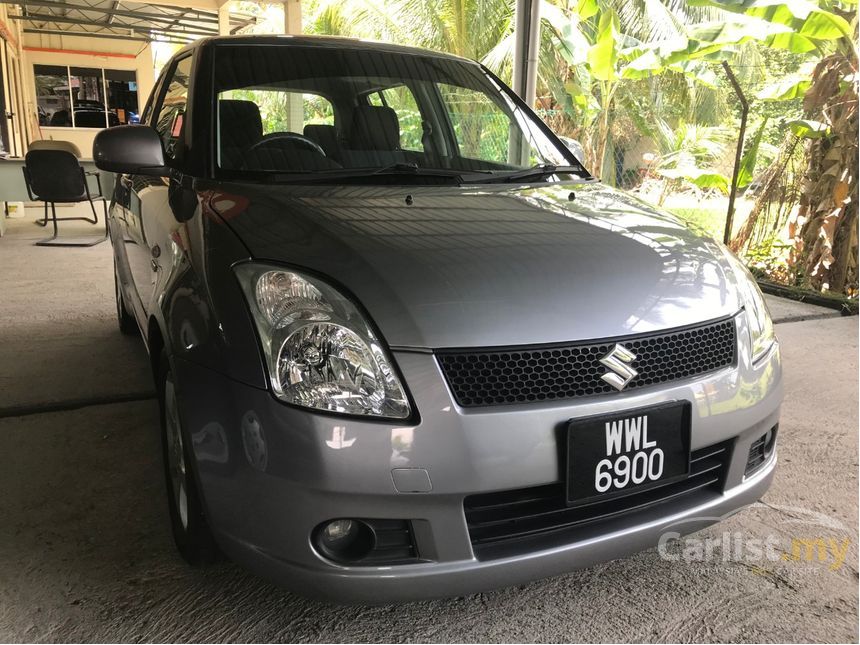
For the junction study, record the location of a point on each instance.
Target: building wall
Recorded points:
(78, 51)
(10, 57)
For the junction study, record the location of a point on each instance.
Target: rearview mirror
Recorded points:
(130, 149)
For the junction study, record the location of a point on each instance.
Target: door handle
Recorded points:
(154, 265)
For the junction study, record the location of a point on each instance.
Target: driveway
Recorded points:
(86, 553)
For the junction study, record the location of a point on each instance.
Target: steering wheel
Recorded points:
(292, 139)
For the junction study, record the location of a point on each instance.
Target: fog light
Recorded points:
(339, 530)
(344, 540)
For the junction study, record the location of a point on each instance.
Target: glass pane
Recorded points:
(402, 101)
(171, 118)
(122, 97)
(282, 111)
(387, 111)
(481, 127)
(52, 96)
(88, 99)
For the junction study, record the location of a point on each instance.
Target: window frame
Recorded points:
(105, 98)
(164, 83)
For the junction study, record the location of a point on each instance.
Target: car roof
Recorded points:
(324, 42)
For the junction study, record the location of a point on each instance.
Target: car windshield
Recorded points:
(334, 113)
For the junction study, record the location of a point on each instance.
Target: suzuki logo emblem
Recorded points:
(618, 361)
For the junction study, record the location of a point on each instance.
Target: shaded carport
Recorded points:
(88, 31)
(85, 546)
(121, 34)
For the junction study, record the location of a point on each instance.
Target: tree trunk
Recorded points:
(826, 243)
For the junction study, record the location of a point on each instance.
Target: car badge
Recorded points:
(620, 372)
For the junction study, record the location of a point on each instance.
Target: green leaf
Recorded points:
(586, 9)
(701, 178)
(748, 161)
(603, 55)
(712, 180)
(785, 90)
(808, 129)
(792, 42)
(803, 17)
(648, 64)
(698, 70)
(578, 96)
(711, 38)
(823, 25)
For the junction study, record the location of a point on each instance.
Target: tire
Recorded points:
(191, 532)
(127, 323)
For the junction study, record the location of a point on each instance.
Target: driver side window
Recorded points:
(170, 121)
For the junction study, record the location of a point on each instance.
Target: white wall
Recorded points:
(77, 51)
(10, 55)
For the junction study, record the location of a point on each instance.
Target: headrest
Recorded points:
(325, 135)
(240, 127)
(375, 127)
(51, 144)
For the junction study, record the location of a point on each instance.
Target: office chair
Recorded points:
(53, 174)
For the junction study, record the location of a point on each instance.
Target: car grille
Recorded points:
(546, 373)
(506, 523)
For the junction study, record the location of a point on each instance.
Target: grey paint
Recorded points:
(494, 265)
(85, 545)
(459, 267)
(323, 467)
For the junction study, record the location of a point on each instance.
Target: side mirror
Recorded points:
(575, 147)
(130, 149)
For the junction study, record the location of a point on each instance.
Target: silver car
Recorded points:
(406, 346)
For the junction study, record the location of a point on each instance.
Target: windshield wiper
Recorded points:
(538, 172)
(357, 173)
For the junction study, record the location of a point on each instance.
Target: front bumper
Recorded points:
(270, 474)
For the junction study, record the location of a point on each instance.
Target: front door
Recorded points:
(147, 218)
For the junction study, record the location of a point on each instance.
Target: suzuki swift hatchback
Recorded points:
(405, 345)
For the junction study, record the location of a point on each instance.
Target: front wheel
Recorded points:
(190, 530)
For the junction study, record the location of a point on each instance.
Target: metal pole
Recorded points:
(526, 49)
(195, 15)
(95, 34)
(745, 108)
(179, 30)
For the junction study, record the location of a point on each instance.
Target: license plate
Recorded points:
(613, 455)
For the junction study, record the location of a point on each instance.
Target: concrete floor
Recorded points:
(86, 554)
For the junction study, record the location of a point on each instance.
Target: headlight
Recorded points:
(762, 334)
(320, 351)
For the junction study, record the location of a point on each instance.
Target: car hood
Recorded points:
(489, 265)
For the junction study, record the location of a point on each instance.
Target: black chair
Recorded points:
(54, 144)
(54, 175)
